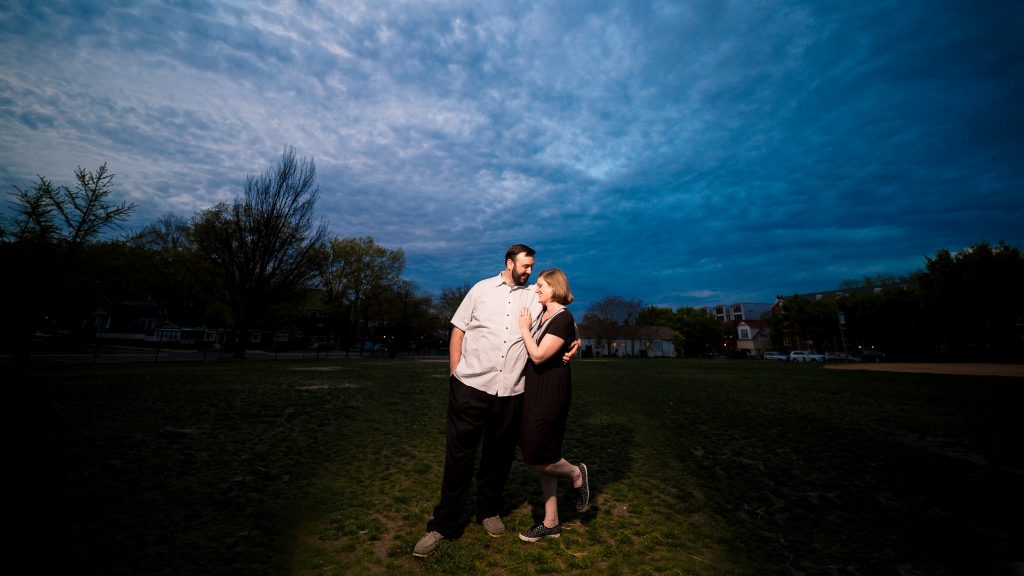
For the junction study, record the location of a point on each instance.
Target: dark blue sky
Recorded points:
(680, 153)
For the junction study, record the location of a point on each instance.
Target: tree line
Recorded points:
(962, 306)
(262, 259)
(265, 260)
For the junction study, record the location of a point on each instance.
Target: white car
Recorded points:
(805, 356)
(770, 355)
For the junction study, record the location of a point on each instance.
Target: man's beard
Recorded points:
(520, 279)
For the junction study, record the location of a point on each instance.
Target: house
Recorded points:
(625, 341)
(169, 334)
(753, 336)
(127, 321)
(284, 337)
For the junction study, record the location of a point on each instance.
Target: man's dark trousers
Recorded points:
(473, 415)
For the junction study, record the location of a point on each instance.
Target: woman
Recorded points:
(547, 398)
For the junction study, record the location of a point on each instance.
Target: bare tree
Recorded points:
(263, 247)
(169, 234)
(449, 301)
(614, 310)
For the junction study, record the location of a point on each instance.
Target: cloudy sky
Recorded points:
(680, 153)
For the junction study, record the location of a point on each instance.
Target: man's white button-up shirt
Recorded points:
(493, 353)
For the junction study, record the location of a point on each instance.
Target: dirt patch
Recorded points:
(1008, 370)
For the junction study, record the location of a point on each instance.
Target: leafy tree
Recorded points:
(655, 316)
(700, 333)
(973, 302)
(880, 280)
(963, 305)
(814, 322)
(262, 248)
(355, 274)
(407, 319)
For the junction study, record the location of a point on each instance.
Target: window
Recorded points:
(744, 333)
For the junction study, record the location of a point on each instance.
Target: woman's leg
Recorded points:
(549, 490)
(561, 468)
(549, 474)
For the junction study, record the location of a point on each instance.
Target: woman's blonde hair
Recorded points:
(560, 291)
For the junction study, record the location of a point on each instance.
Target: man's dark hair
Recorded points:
(517, 249)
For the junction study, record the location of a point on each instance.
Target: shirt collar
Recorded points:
(499, 281)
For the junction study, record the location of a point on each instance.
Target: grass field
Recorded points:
(697, 467)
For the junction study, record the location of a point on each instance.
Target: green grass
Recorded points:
(698, 467)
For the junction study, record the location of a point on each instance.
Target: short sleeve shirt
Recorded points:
(493, 353)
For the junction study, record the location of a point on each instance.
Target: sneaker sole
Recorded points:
(538, 538)
(424, 554)
(428, 552)
(586, 484)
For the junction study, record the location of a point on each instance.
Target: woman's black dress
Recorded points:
(547, 397)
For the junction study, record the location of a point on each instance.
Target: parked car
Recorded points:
(773, 355)
(836, 357)
(805, 356)
(872, 355)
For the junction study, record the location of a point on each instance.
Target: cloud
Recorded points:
(676, 153)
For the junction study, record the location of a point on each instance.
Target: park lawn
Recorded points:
(333, 467)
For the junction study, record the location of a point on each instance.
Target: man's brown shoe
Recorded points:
(494, 526)
(427, 544)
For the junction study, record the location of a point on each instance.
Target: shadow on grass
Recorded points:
(607, 450)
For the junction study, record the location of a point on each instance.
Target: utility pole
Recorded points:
(842, 322)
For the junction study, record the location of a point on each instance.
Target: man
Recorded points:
(487, 358)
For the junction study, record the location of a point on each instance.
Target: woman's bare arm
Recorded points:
(549, 344)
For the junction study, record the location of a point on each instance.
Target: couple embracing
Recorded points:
(510, 383)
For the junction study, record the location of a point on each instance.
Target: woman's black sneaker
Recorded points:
(540, 531)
